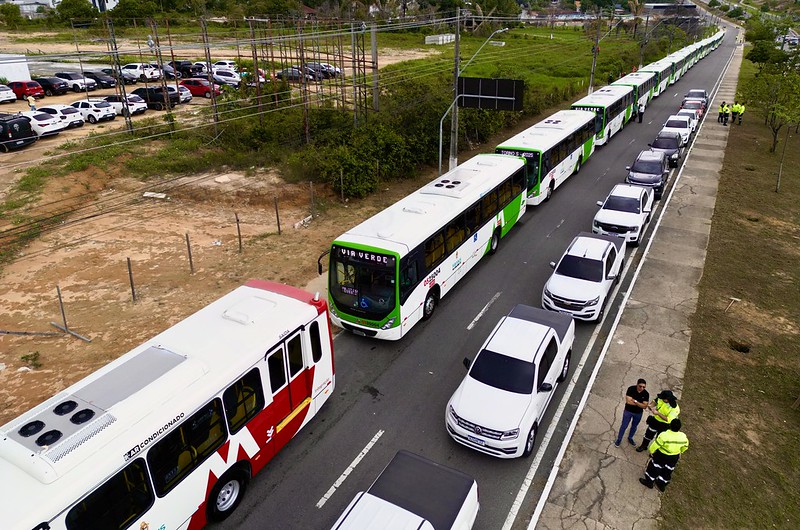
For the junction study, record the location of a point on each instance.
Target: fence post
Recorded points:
(130, 278)
(277, 216)
(313, 207)
(61, 305)
(238, 231)
(189, 249)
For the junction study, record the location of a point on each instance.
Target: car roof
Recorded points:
(56, 106)
(506, 339)
(627, 190)
(588, 247)
(668, 134)
(650, 155)
(677, 117)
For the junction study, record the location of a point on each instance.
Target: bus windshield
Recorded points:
(363, 282)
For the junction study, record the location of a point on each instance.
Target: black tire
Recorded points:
(48, 92)
(159, 106)
(530, 442)
(5, 148)
(91, 119)
(142, 78)
(578, 167)
(76, 88)
(226, 494)
(601, 313)
(495, 242)
(565, 369)
(429, 307)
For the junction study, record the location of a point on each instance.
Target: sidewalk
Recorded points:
(597, 485)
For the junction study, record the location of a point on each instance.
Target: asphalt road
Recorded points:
(395, 393)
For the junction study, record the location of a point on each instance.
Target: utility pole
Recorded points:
(118, 73)
(595, 50)
(256, 72)
(454, 117)
(155, 46)
(644, 41)
(210, 75)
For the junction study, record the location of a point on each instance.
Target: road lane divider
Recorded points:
(350, 468)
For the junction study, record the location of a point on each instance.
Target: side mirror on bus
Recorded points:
(319, 261)
(467, 363)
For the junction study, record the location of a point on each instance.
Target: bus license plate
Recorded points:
(475, 440)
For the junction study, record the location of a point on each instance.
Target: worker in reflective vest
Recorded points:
(665, 451)
(663, 410)
(721, 112)
(741, 112)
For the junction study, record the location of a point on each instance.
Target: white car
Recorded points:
(584, 276)
(227, 77)
(70, 116)
(94, 110)
(142, 71)
(226, 65)
(183, 93)
(6, 94)
(77, 81)
(624, 213)
(44, 124)
(133, 105)
(679, 124)
(693, 115)
(498, 407)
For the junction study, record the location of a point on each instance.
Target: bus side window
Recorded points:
(434, 250)
(117, 503)
(277, 370)
(489, 205)
(316, 341)
(517, 184)
(409, 278)
(294, 347)
(546, 163)
(505, 193)
(473, 218)
(455, 234)
(243, 400)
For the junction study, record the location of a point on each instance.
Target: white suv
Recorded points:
(142, 71)
(624, 213)
(498, 407)
(679, 124)
(584, 276)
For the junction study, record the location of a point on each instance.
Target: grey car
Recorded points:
(651, 169)
(670, 144)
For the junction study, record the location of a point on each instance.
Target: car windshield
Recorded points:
(676, 124)
(363, 282)
(693, 105)
(689, 115)
(651, 167)
(42, 117)
(581, 268)
(696, 94)
(666, 143)
(135, 98)
(102, 105)
(503, 372)
(622, 204)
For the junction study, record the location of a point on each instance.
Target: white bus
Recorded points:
(643, 83)
(168, 435)
(613, 104)
(389, 272)
(553, 149)
(663, 71)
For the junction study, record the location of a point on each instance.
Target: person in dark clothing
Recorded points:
(636, 400)
(663, 410)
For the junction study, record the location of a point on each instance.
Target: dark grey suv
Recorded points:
(670, 144)
(650, 169)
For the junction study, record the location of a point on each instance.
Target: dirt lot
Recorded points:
(87, 258)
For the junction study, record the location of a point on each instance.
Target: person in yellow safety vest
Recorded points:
(741, 111)
(663, 410)
(734, 112)
(665, 451)
(721, 112)
(726, 112)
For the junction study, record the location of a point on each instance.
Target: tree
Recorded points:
(736, 12)
(130, 9)
(764, 52)
(713, 3)
(76, 9)
(774, 93)
(637, 8)
(10, 15)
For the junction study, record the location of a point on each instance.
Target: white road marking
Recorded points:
(485, 308)
(350, 468)
(556, 228)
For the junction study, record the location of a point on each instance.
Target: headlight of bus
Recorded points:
(389, 323)
(510, 435)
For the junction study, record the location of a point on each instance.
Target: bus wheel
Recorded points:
(430, 305)
(495, 242)
(226, 494)
(578, 167)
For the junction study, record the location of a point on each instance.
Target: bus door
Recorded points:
(290, 383)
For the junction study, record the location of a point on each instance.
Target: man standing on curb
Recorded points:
(734, 112)
(663, 410)
(665, 452)
(721, 112)
(741, 111)
(636, 400)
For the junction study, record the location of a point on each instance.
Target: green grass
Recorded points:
(741, 470)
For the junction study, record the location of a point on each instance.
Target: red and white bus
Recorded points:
(168, 435)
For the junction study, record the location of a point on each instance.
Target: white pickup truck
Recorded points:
(414, 493)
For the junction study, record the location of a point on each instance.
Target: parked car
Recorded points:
(668, 143)
(167, 71)
(698, 93)
(203, 66)
(226, 65)
(23, 89)
(694, 104)
(7, 95)
(77, 82)
(132, 106)
(128, 77)
(201, 87)
(226, 77)
(293, 74)
(650, 169)
(142, 71)
(53, 86)
(316, 75)
(154, 96)
(186, 68)
(15, 131)
(328, 70)
(694, 118)
(679, 124)
(102, 79)
(44, 124)
(66, 114)
(583, 277)
(184, 95)
(95, 110)
(624, 213)
(498, 407)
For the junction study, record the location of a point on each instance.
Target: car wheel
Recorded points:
(142, 78)
(5, 148)
(565, 369)
(207, 95)
(91, 119)
(530, 442)
(226, 494)
(76, 88)
(601, 313)
(430, 305)
(48, 92)
(159, 106)
(495, 242)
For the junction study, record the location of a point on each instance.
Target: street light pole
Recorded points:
(454, 123)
